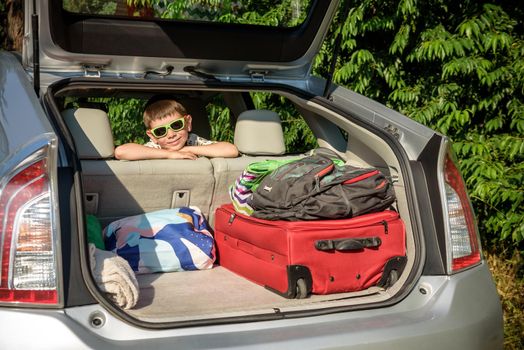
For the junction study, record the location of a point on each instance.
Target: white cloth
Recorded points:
(114, 276)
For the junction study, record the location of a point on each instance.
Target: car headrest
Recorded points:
(91, 132)
(259, 132)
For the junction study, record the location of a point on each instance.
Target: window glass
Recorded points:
(126, 117)
(277, 13)
(298, 137)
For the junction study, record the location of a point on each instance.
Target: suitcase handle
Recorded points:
(348, 244)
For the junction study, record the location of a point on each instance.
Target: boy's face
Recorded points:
(164, 131)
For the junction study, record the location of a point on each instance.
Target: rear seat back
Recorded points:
(116, 188)
(258, 136)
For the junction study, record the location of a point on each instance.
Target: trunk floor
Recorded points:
(214, 293)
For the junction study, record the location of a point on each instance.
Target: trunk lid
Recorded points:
(224, 40)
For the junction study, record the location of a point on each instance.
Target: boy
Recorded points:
(169, 129)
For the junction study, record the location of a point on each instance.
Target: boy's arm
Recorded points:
(216, 149)
(134, 151)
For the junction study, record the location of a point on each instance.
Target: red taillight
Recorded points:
(463, 236)
(29, 270)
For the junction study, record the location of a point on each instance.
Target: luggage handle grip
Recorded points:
(348, 244)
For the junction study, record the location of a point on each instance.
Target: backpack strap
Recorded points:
(326, 153)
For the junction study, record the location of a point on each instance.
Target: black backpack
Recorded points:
(315, 187)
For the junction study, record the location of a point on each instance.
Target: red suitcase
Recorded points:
(295, 258)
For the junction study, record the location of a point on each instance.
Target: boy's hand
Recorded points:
(181, 155)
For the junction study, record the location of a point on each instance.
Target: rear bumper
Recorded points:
(458, 312)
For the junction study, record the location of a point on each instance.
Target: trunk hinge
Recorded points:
(393, 130)
(167, 71)
(258, 76)
(199, 73)
(93, 70)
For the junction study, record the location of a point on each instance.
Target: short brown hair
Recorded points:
(161, 109)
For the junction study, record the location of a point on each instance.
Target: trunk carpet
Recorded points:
(215, 293)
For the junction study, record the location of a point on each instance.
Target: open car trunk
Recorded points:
(113, 189)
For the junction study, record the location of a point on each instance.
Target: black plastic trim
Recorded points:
(76, 292)
(431, 202)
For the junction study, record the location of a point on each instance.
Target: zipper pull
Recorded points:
(385, 223)
(231, 218)
(317, 183)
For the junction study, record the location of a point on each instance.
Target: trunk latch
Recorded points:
(92, 71)
(258, 76)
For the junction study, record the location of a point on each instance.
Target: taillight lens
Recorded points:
(463, 239)
(28, 233)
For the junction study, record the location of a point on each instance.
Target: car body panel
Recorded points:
(434, 311)
(441, 313)
(412, 135)
(19, 105)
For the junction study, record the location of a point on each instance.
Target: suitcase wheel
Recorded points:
(393, 278)
(301, 289)
(392, 270)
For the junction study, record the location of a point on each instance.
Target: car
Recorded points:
(58, 167)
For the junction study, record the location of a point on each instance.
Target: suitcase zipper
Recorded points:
(307, 223)
(325, 170)
(231, 218)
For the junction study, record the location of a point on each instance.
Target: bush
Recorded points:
(3, 24)
(457, 67)
(507, 271)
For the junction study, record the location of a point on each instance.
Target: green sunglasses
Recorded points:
(175, 125)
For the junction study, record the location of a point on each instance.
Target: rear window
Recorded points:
(275, 13)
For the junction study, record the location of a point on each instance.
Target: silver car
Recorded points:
(58, 167)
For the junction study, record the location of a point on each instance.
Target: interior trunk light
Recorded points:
(29, 269)
(463, 235)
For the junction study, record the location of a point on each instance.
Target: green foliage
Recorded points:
(298, 136)
(125, 116)
(285, 13)
(457, 67)
(127, 120)
(2, 25)
(100, 7)
(220, 120)
(507, 268)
